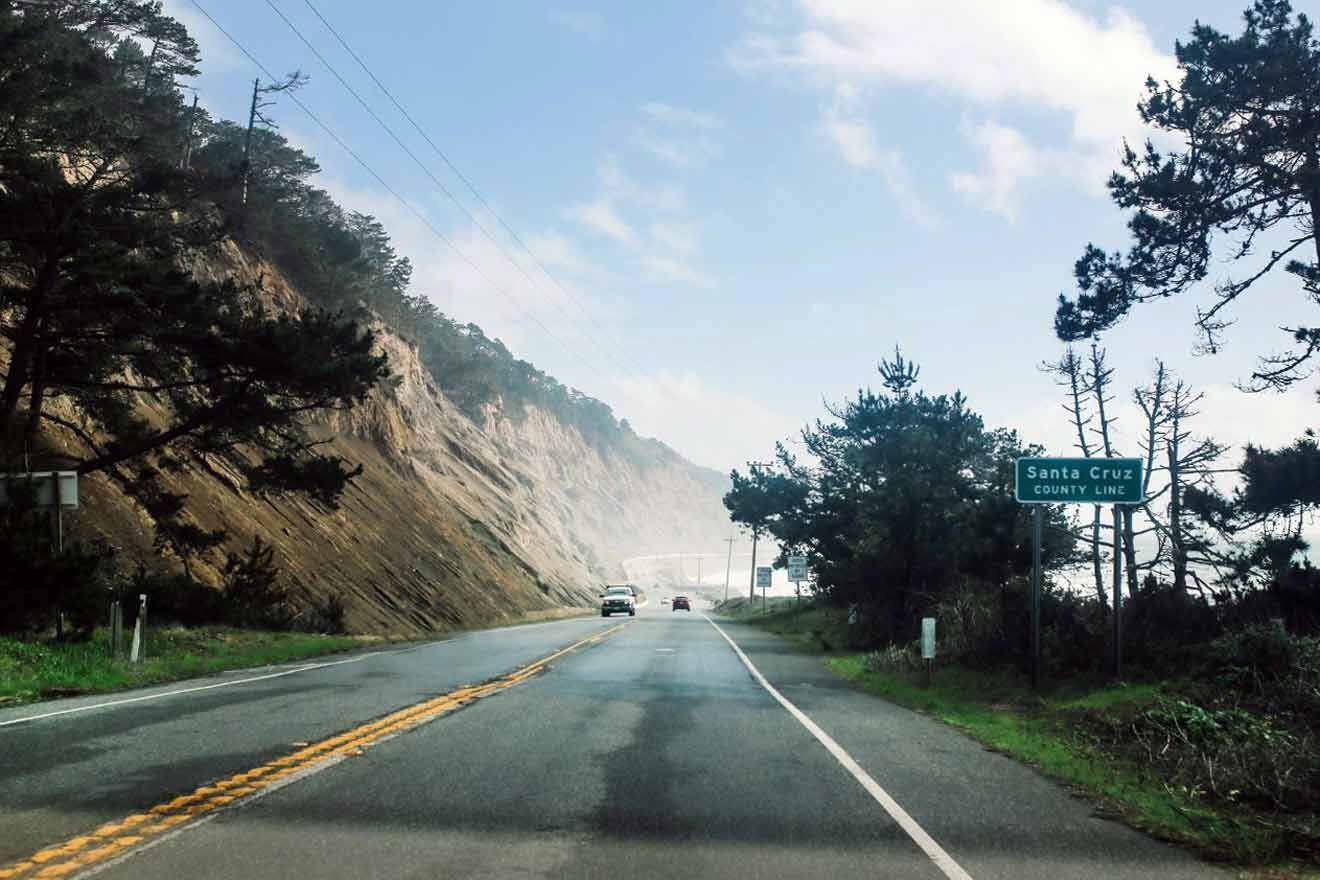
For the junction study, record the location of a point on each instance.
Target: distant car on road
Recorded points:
(664, 601)
(682, 602)
(618, 600)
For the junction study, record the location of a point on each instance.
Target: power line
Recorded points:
(408, 205)
(466, 182)
(411, 155)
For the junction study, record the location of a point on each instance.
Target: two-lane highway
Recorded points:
(655, 748)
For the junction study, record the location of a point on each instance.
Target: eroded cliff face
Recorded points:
(452, 523)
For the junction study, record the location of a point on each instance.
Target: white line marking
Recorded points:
(192, 690)
(942, 859)
(304, 668)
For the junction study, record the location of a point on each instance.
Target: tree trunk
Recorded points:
(1129, 551)
(1096, 564)
(1177, 548)
(37, 399)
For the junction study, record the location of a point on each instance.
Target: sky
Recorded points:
(743, 206)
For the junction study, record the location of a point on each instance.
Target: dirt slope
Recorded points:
(452, 523)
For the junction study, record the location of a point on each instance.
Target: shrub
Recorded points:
(894, 658)
(1160, 623)
(325, 615)
(175, 598)
(1230, 753)
(252, 588)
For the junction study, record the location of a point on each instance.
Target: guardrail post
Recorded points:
(116, 627)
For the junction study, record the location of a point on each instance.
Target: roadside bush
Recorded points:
(252, 588)
(1230, 753)
(325, 615)
(895, 658)
(174, 598)
(1161, 623)
(1072, 634)
(1293, 597)
(35, 584)
(1269, 669)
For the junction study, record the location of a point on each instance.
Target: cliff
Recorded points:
(454, 522)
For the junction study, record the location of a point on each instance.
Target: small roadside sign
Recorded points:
(927, 638)
(1079, 481)
(797, 568)
(52, 488)
(763, 577)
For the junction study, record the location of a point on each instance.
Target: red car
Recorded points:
(682, 602)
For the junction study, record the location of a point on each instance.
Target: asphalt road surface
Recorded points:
(653, 748)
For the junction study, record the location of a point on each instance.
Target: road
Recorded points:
(650, 749)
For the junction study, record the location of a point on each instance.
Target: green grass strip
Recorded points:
(32, 671)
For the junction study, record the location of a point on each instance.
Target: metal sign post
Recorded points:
(763, 581)
(1043, 481)
(797, 573)
(1036, 517)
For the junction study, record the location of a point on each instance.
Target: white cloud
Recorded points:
(218, 54)
(588, 24)
(697, 418)
(1034, 54)
(667, 254)
(663, 197)
(681, 152)
(678, 237)
(661, 268)
(601, 216)
(681, 116)
(855, 141)
(1009, 159)
(556, 251)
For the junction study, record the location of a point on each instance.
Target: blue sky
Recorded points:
(746, 205)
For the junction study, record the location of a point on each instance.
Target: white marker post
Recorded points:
(928, 645)
(139, 631)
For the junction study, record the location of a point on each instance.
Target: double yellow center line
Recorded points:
(115, 838)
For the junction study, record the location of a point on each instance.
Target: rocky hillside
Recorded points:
(454, 521)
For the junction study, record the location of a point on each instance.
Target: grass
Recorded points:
(1051, 731)
(37, 670)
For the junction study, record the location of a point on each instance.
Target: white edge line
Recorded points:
(942, 859)
(304, 668)
(206, 687)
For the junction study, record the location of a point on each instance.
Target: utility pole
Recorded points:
(755, 467)
(728, 568)
(698, 570)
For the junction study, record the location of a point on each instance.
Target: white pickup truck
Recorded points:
(618, 600)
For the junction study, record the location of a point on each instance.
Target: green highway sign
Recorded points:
(1079, 480)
